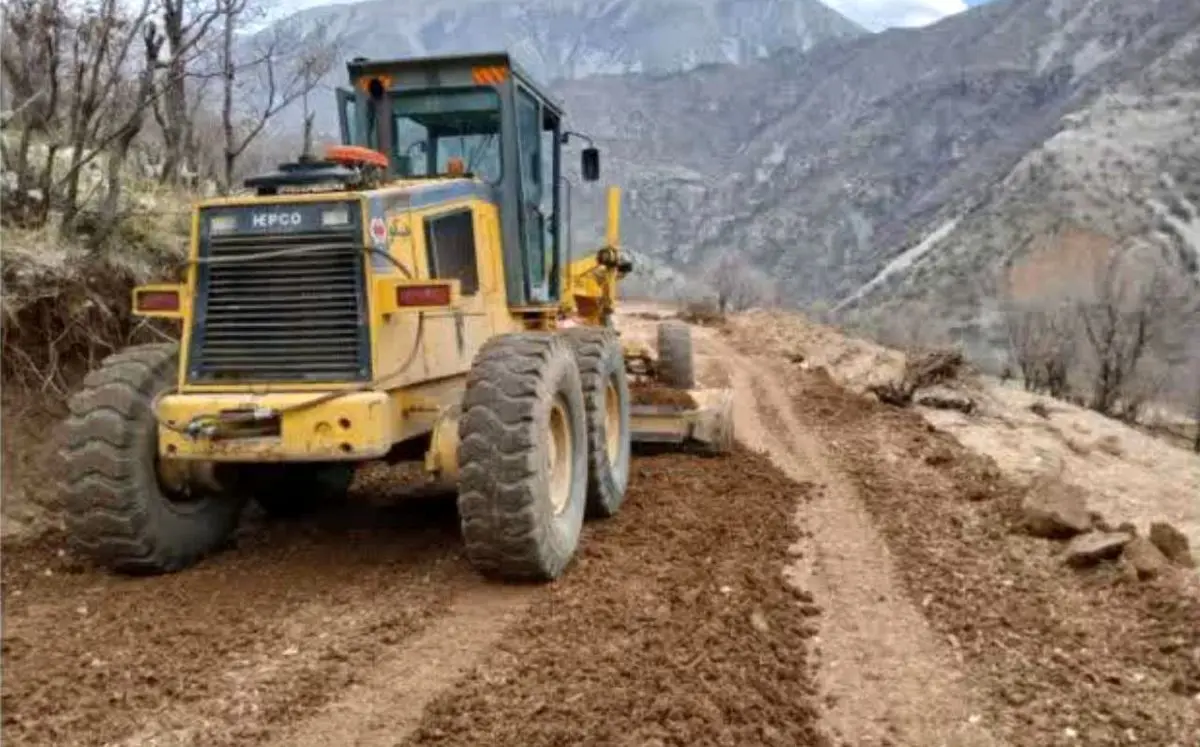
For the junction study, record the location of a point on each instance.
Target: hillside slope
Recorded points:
(823, 168)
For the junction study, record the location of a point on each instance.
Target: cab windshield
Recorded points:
(430, 128)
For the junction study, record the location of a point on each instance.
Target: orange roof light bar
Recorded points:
(489, 75)
(352, 155)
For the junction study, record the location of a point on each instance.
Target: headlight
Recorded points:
(338, 217)
(222, 224)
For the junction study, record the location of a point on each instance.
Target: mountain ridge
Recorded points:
(860, 152)
(568, 39)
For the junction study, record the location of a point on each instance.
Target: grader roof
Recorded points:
(447, 71)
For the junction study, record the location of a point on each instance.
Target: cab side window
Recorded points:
(529, 141)
(450, 247)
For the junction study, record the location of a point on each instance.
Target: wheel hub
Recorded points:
(612, 423)
(560, 453)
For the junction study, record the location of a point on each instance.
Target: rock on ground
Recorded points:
(1056, 510)
(1145, 559)
(1172, 543)
(1093, 547)
(945, 398)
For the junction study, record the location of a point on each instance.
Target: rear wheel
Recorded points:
(675, 365)
(606, 394)
(523, 458)
(122, 509)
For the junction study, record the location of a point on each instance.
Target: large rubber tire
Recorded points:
(116, 511)
(291, 491)
(509, 523)
(675, 363)
(602, 369)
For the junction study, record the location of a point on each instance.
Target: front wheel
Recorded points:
(522, 458)
(676, 368)
(121, 511)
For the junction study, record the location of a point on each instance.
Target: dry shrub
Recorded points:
(61, 319)
(63, 312)
(65, 307)
(921, 369)
(701, 311)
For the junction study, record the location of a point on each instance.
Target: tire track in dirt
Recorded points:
(673, 627)
(1090, 657)
(886, 677)
(389, 702)
(1060, 657)
(291, 622)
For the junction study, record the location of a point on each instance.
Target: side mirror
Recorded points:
(591, 164)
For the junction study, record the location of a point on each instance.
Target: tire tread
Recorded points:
(504, 534)
(106, 488)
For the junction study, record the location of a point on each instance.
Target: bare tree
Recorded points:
(31, 58)
(1121, 320)
(186, 27)
(140, 100)
(83, 90)
(282, 66)
(1042, 343)
(737, 285)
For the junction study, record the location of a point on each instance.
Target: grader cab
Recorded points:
(411, 295)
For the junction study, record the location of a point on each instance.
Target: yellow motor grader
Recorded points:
(409, 295)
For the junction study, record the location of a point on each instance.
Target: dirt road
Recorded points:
(887, 675)
(847, 577)
(945, 625)
(674, 625)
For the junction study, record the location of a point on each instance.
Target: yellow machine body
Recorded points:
(418, 327)
(356, 422)
(350, 307)
(365, 420)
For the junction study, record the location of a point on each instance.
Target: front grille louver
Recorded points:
(293, 314)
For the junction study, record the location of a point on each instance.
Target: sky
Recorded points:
(877, 15)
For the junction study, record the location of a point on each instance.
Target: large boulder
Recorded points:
(1054, 509)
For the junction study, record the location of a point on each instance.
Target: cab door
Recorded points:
(532, 217)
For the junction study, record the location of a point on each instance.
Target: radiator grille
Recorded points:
(297, 315)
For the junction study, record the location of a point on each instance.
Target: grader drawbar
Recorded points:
(409, 295)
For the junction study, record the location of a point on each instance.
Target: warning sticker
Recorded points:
(379, 230)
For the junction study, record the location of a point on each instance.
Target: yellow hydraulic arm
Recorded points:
(591, 281)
